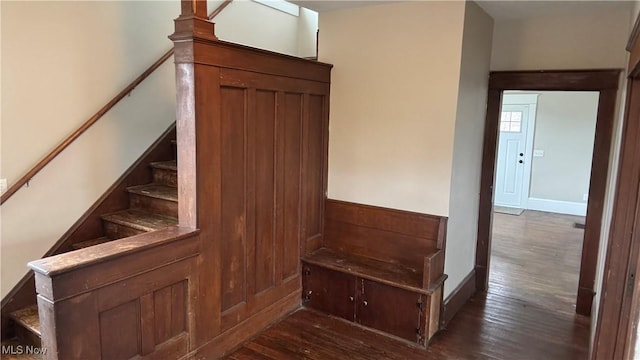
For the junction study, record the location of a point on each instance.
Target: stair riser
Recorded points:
(154, 205)
(165, 177)
(117, 231)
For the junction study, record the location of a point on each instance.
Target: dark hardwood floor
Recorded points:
(528, 312)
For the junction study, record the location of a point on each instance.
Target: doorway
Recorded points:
(606, 83)
(543, 163)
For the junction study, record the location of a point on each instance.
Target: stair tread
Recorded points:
(157, 191)
(167, 165)
(140, 220)
(28, 317)
(91, 242)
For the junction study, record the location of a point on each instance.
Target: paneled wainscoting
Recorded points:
(517, 319)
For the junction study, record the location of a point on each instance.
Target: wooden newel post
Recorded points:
(193, 21)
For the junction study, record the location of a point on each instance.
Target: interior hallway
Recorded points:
(526, 314)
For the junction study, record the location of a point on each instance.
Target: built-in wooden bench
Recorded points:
(379, 267)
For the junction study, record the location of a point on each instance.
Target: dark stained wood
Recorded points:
(329, 291)
(155, 198)
(393, 259)
(489, 326)
(89, 225)
(595, 205)
(604, 81)
(85, 297)
(487, 180)
(536, 257)
(384, 234)
(384, 272)
(251, 126)
(458, 297)
(290, 161)
(121, 344)
(520, 318)
(314, 157)
(165, 172)
(394, 311)
(616, 328)
(556, 80)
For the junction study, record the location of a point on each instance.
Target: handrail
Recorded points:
(93, 119)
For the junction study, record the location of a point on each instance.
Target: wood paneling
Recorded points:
(121, 344)
(252, 129)
(329, 291)
(124, 311)
(289, 185)
(383, 234)
(394, 311)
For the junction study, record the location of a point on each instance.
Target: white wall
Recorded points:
(467, 153)
(584, 41)
(253, 24)
(393, 102)
(57, 73)
(307, 29)
(564, 129)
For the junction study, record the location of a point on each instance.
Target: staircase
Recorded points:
(152, 206)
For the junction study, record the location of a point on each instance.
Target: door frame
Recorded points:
(603, 81)
(619, 311)
(531, 100)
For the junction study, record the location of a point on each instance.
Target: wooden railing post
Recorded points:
(193, 21)
(198, 139)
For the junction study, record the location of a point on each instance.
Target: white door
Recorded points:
(510, 164)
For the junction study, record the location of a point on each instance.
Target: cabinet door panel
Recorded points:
(389, 309)
(329, 291)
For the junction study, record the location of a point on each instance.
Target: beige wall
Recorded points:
(564, 129)
(393, 102)
(468, 142)
(253, 24)
(584, 41)
(55, 74)
(307, 29)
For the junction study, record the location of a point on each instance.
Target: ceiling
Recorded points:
(498, 9)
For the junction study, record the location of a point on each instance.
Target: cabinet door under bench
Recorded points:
(398, 311)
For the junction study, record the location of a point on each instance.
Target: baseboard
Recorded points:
(244, 331)
(458, 297)
(557, 206)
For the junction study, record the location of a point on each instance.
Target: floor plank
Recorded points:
(528, 312)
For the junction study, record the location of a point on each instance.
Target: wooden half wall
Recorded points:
(252, 150)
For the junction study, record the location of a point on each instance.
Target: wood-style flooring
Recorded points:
(526, 314)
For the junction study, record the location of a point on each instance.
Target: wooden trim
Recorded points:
(595, 207)
(604, 81)
(458, 297)
(555, 80)
(89, 225)
(633, 38)
(93, 119)
(617, 321)
(231, 339)
(487, 177)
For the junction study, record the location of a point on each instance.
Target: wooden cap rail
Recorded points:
(93, 119)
